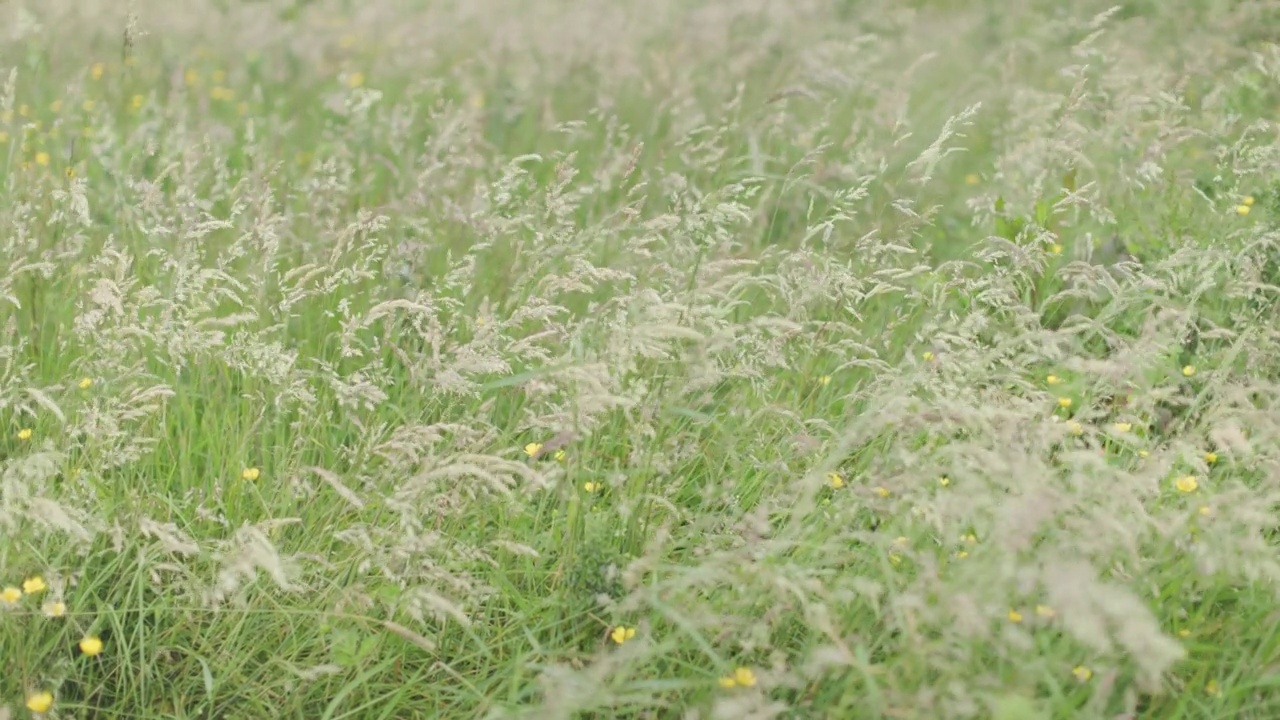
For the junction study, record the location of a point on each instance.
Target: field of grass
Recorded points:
(692, 359)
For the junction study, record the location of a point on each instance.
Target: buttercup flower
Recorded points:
(251, 473)
(835, 480)
(1082, 673)
(40, 702)
(91, 645)
(1242, 209)
(10, 596)
(33, 585)
(1210, 457)
(85, 383)
(591, 487)
(741, 677)
(1186, 484)
(882, 492)
(1015, 617)
(1188, 370)
(532, 449)
(1064, 402)
(1053, 380)
(622, 634)
(24, 434)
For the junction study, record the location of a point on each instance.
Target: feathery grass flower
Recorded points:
(54, 609)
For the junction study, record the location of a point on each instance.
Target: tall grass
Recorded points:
(689, 359)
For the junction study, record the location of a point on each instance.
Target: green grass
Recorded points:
(384, 362)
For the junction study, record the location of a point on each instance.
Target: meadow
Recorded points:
(700, 359)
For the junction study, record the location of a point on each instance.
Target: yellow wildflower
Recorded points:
(1015, 616)
(1186, 484)
(944, 481)
(33, 585)
(54, 609)
(741, 677)
(10, 596)
(928, 356)
(824, 380)
(1053, 380)
(972, 179)
(97, 71)
(1082, 673)
(24, 434)
(40, 702)
(136, 102)
(592, 487)
(560, 455)
(1242, 210)
(532, 449)
(355, 79)
(250, 473)
(1055, 249)
(90, 645)
(191, 77)
(1075, 428)
(85, 383)
(835, 480)
(1045, 611)
(881, 491)
(1211, 688)
(1210, 457)
(1064, 402)
(622, 634)
(1122, 427)
(1248, 200)
(1188, 370)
